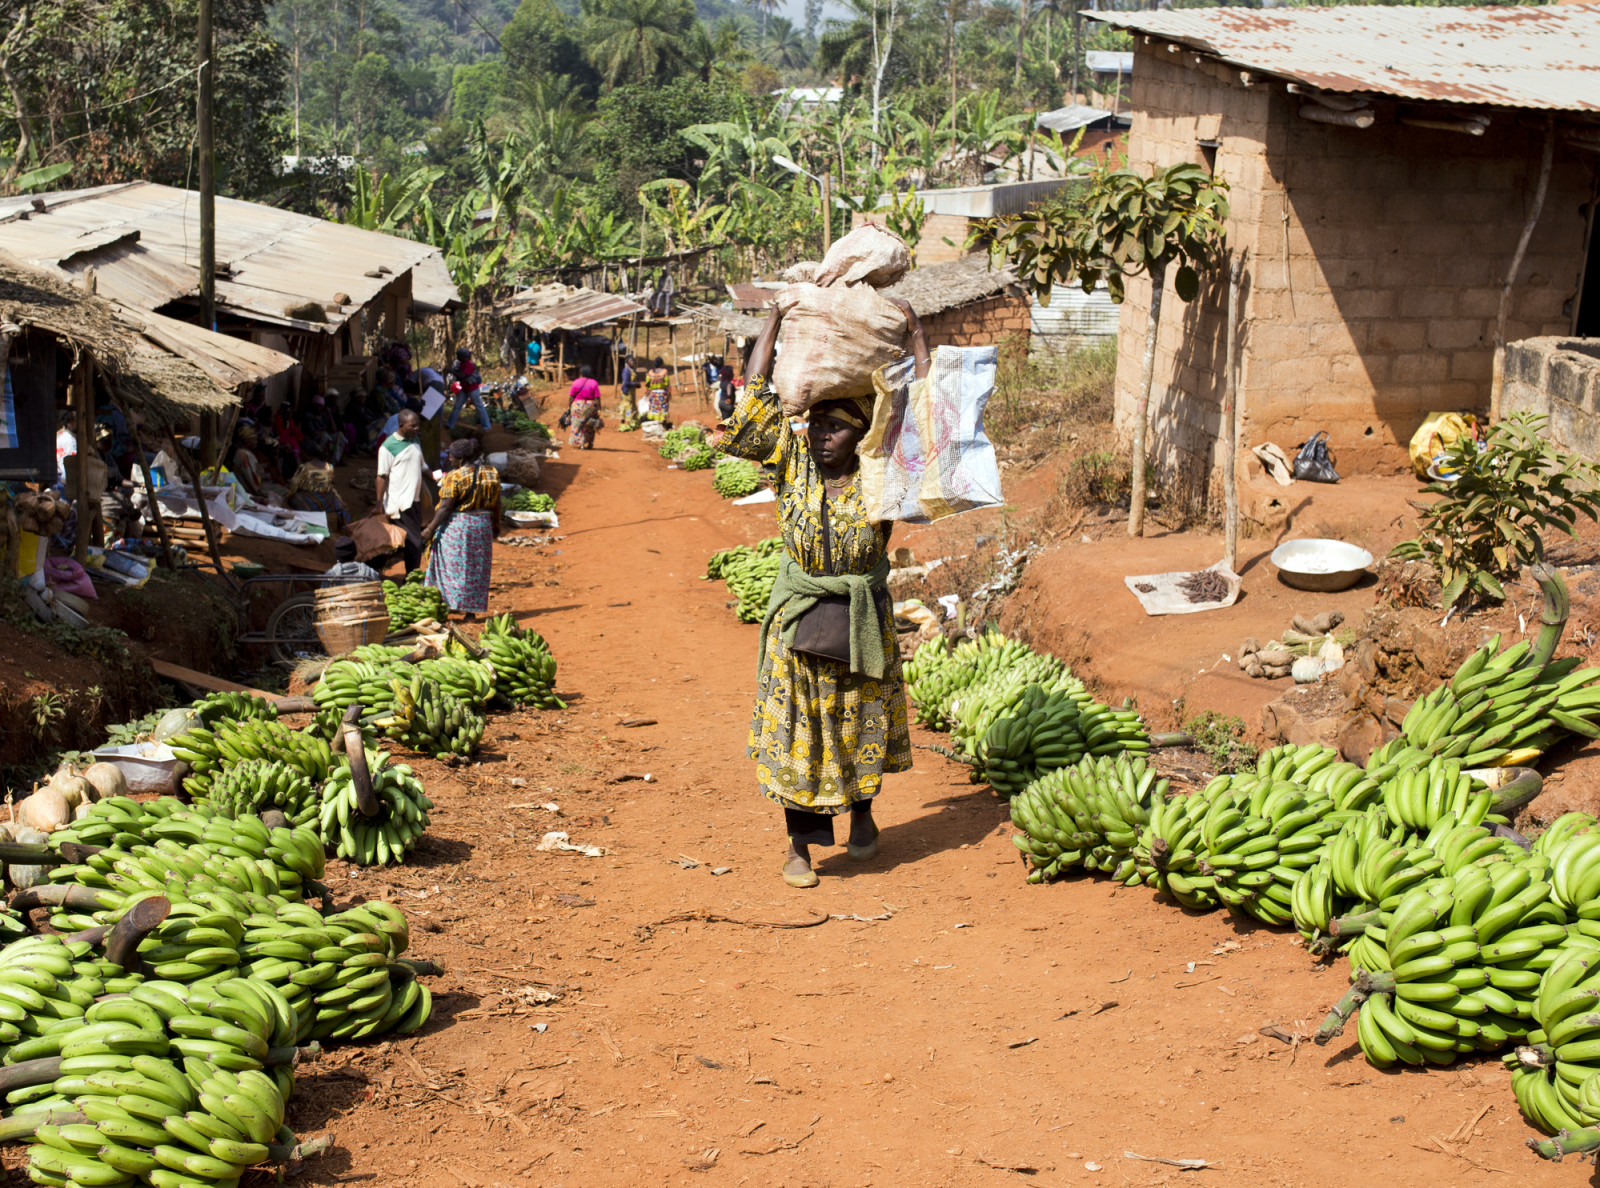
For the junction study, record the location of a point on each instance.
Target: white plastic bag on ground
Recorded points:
(926, 456)
(831, 341)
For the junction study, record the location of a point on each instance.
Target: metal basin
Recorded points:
(1320, 564)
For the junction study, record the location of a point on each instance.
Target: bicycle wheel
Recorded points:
(292, 630)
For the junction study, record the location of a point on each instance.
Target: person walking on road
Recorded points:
(465, 373)
(583, 409)
(658, 391)
(399, 484)
(830, 716)
(461, 536)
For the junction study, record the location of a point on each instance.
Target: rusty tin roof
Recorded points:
(1545, 58)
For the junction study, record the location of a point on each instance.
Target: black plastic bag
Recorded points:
(1313, 463)
(566, 420)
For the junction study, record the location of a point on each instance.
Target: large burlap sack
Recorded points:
(831, 341)
(868, 255)
(522, 467)
(925, 455)
(376, 537)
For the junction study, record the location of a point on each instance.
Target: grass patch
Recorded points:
(1221, 737)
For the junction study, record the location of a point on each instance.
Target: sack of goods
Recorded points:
(838, 329)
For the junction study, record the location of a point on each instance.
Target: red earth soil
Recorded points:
(637, 1018)
(945, 1025)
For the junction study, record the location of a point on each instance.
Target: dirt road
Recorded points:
(954, 1027)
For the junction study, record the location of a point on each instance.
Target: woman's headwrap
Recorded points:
(315, 477)
(855, 411)
(246, 433)
(464, 449)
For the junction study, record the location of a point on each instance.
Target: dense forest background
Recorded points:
(533, 138)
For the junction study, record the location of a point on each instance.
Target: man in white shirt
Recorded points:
(399, 485)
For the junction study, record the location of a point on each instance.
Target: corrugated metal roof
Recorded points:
(561, 307)
(1072, 117)
(1108, 61)
(432, 290)
(749, 298)
(987, 202)
(1072, 319)
(1545, 57)
(143, 239)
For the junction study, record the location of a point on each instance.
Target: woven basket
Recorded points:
(349, 616)
(346, 635)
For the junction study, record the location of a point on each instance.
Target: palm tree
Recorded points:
(710, 51)
(636, 37)
(766, 8)
(861, 45)
(785, 45)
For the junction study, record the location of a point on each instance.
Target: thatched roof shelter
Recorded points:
(935, 288)
(167, 368)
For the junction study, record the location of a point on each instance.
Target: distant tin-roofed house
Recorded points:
(303, 285)
(1383, 163)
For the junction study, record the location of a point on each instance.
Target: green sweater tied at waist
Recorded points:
(796, 591)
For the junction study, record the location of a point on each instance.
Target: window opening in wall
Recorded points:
(1587, 323)
(1208, 154)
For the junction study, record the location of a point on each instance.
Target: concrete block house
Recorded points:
(1383, 163)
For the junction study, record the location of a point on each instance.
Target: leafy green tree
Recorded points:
(637, 135)
(475, 89)
(1123, 224)
(374, 91)
(639, 40)
(539, 43)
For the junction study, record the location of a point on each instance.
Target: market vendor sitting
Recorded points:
(349, 571)
(311, 489)
(245, 465)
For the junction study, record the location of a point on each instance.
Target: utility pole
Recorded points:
(208, 178)
(208, 219)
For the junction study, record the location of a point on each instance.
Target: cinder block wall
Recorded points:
(1559, 377)
(1003, 318)
(1375, 263)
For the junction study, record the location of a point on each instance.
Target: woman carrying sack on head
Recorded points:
(461, 536)
(830, 716)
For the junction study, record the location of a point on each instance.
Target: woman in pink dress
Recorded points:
(584, 411)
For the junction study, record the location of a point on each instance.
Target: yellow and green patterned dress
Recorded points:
(821, 735)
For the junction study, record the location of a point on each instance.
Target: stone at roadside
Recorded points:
(1275, 658)
(1359, 738)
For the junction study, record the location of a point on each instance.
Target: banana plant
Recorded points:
(684, 224)
(387, 203)
(743, 147)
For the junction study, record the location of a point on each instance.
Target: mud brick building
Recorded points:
(1383, 165)
(964, 302)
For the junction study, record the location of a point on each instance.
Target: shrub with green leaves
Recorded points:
(1488, 523)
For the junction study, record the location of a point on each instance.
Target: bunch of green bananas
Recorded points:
(193, 856)
(531, 501)
(367, 683)
(770, 547)
(1424, 795)
(431, 721)
(412, 601)
(682, 438)
(1040, 731)
(1504, 708)
(341, 974)
(385, 838)
(524, 669)
(208, 751)
(938, 673)
(114, 821)
(700, 459)
(734, 478)
(380, 655)
(469, 681)
(995, 693)
(232, 706)
(46, 983)
(750, 580)
(1556, 1077)
(1087, 815)
(260, 784)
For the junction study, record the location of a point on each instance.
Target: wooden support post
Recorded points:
(149, 482)
(211, 530)
(83, 398)
(1230, 420)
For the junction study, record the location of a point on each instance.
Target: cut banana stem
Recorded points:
(67, 895)
(356, 752)
(283, 1152)
(274, 819)
(1568, 1142)
(143, 918)
(1353, 925)
(1333, 1025)
(22, 854)
(1553, 619)
(418, 965)
(29, 1072)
